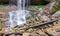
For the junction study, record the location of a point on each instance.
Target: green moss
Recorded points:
(55, 8)
(1, 6)
(30, 30)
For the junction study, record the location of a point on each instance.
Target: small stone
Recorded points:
(45, 18)
(41, 33)
(26, 34)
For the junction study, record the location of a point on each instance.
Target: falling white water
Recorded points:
(18, 17)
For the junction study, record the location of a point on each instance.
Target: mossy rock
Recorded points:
(30, 30)
(55, 8)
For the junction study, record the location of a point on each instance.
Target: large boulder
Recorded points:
(56, 7)
(57, 14)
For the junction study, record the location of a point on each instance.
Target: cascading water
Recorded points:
(18, 17)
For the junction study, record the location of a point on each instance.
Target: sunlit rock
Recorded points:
(57, 14)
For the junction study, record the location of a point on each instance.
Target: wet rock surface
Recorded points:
(36, 18)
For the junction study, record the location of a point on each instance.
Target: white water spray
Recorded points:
(18, 17)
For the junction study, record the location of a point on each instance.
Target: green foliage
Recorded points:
(37, 6)
(40, 6)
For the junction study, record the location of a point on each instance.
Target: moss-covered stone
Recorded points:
(55, 8)
(30, 30)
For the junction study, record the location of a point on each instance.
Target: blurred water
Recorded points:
(18, 17)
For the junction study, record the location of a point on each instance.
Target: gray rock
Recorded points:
(57, 13)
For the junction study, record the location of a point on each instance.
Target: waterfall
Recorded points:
(21, 4)
(18, 17)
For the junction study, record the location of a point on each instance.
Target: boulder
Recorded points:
(55, 8)
(57, 14)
